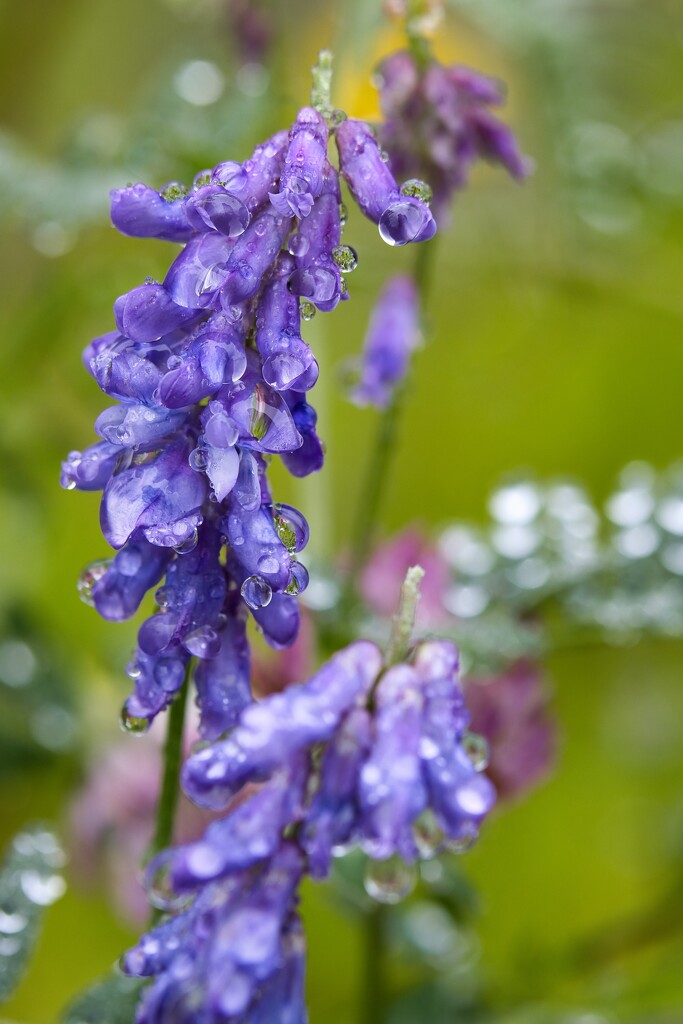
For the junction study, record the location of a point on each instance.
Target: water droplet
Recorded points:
(188, 544)
(345, 257)
(343, 214)
(306, 309)
(389, 881)
(297, 245)
(291, 526)
(477, 749)
(337, 117)
(256, 592)
(198, 459)
(133, 725)
(428, 835)
(404, 221)
(418, 189)
(158, 885)
(11, 923)
(174, 190)
(163, 598)
(42, 889)
(298, 580)
(268, 564)
(203, 642)
(469, 833)
(201, 178)
(89, 577)
(9, 946)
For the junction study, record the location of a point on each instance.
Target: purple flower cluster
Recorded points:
(438, 123)
(358, 755)
(211, 379)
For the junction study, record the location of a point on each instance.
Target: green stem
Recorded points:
(170, 785)
(377, 472)
(374, 1004)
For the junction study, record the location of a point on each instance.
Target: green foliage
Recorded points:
(29, 882)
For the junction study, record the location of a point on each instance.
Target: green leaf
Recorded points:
(29, 882)
(110, 1001)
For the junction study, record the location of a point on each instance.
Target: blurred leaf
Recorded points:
(29, 882)
(110, 1001)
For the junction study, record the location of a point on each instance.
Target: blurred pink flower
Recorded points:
(383, 575)
(111, 821)
(511, 710)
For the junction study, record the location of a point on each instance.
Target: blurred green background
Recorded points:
(556, 347)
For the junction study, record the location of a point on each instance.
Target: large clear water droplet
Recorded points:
(256, 592)
(403, 222)
(389, 881)
(307, 311)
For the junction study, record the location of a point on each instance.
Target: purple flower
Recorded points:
(140, 211)
(438, 123)
(283, 724)
(236, 954)
(393, 334)
(316, 246)
(302, 177)
(401, 217)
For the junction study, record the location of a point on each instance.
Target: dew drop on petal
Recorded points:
(297, 245)
(256, 592)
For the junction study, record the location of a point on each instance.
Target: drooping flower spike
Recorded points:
(211, 376)
(391, 773)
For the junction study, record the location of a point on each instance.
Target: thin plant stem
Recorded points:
(374, 484)
(170, 784)
(374, 1004)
